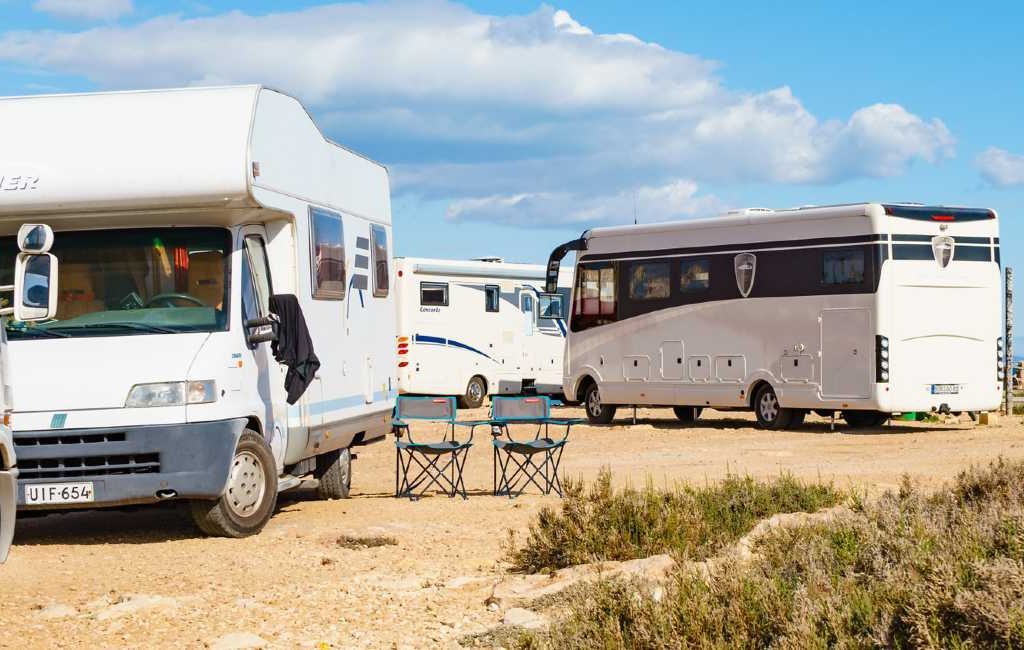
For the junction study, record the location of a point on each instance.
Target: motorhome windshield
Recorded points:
(135, 281)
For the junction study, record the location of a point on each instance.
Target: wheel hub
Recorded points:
(246, 484)
(594, 402)
(769, 407)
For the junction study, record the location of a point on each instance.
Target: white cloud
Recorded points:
(85, 9)
(1001, 168)
(472, 107)
(676, 200)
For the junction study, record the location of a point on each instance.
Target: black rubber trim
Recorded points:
(795, 244)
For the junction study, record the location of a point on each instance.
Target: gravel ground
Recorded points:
(145, 578)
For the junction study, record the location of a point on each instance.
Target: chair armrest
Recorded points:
(565, 422)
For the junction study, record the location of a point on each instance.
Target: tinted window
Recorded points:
(694, 275)
(649, 281)
(492, 298)
(594, 299)
(328, 263)
(381, 276)
(843, 266)
(434, 294)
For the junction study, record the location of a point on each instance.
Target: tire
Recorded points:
(334, 471)
(865, 419)
(239, 512)
(687, 414)
(597, 413)
(476, 391)
(770, 415)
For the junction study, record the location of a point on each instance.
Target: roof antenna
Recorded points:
(634, 209)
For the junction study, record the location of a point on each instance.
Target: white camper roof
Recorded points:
(179, 148)
(473, 268)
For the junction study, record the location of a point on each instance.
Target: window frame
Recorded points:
(580, 321)
(487, 298)
(319, 293)
(435, 285)
(375, 261)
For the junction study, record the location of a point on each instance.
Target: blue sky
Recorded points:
(510, 127)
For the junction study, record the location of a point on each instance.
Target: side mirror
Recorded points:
(35, 285)
(261, 330)
(549, 305)
(35, 238)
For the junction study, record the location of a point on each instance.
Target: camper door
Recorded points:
(256, 287)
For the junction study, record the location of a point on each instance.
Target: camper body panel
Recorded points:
(258, 239)
(659, 316)
(464, 319)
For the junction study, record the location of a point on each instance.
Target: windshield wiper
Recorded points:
(38, 331)
(141, 327)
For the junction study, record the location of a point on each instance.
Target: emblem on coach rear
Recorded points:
(746, 265)
(942, 249)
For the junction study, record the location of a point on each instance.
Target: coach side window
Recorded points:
(594, 299)
(492, 297)
(649, 281)
(434, 294)
(695, 275)
(843, 266)
(381, 275)
(328, 254)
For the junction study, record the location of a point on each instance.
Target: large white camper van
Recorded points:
(183, 217)
(867, 309)
(478, 327)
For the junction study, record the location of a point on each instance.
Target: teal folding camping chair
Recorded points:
(419, 466)
(518, 463)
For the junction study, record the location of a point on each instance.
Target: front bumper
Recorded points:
(8, 508)
(130, 464)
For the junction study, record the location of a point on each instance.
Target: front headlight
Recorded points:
(172, 393)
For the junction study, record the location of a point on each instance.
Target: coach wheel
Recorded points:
(865, 419)
(687, 414)
(597, 412)
(476, 391)
(770, 414)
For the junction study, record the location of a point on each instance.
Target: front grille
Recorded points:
(72, 467)
(37, 439)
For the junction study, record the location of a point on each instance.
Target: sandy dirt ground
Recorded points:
(145, 578)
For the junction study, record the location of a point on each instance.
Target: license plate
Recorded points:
(39, 493)
(945, 389)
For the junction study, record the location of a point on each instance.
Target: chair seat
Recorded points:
(528, 447)
(442, 447)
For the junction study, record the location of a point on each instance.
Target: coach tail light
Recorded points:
(881, 359)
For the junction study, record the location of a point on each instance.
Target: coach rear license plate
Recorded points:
(48, 493)
(945, 389)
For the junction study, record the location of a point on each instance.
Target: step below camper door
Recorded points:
(846, 353)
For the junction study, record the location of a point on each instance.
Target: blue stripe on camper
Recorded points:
(452, 343)
(561, 325)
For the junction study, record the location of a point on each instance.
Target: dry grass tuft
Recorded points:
(911, 570)
(360, 543)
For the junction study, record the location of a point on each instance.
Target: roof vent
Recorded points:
(495, 260)
(751, 211)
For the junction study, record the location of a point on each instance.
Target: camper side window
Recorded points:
(328, 254)
(594, 299)
(381, 275)
(695, 275)
(492, 298)
(843, 266)
(434, 294)
(649, 281)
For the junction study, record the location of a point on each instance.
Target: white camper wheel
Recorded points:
(597, 412)
(476, 391)
(770, 414)
(334, 471)
(249, 497)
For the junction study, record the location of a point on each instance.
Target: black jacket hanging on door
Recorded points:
(293, 347)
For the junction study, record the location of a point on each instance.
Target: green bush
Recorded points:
(910, 570)
(600, 523)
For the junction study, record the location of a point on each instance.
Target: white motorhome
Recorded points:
(868, 309)
(34, 298)
(478, 327)
(182, 217)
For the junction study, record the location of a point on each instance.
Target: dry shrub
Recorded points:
(909, 571)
